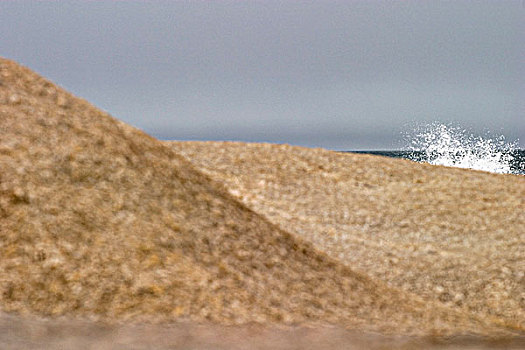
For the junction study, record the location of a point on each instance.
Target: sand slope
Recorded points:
(450, 235)
(99, 220)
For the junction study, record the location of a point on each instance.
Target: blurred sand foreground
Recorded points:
(22, 333)
(100, 221)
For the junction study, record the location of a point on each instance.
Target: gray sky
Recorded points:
(341, 75)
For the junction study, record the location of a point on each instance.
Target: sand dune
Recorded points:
(100, 221)
(450, 235)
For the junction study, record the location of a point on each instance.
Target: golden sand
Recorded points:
(99, 220)
(449, 235)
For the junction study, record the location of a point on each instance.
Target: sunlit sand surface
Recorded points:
(450, 235)
(229, 243)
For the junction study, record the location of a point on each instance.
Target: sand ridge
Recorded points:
(100, 220)
(451, 235)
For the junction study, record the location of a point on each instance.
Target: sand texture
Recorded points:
(449, 235)
(100, 221)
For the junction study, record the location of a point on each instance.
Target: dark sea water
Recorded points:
(514, 161)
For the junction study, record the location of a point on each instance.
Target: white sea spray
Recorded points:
(449, 145)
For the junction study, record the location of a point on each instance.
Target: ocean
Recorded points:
(512, 161)
(452, 145)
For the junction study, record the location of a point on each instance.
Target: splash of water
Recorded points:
(448, 145)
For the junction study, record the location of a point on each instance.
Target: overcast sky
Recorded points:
(341, 75)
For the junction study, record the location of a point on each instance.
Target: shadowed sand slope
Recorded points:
(100, 220)
(449, 235)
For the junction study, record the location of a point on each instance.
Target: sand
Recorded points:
(59, 334)
(101, 222)
(449, 235)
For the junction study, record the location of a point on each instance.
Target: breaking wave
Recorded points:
(448, 145)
